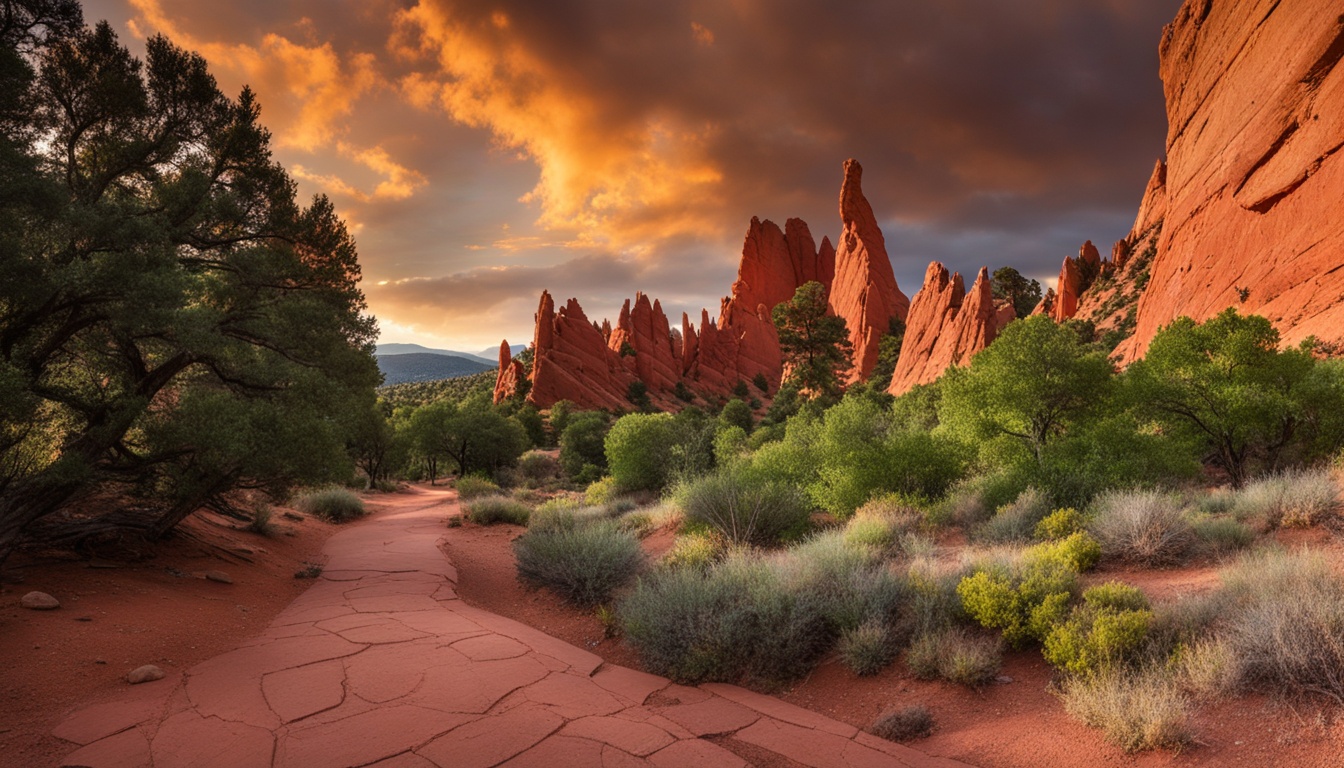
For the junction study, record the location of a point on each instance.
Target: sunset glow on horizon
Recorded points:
(481, 152)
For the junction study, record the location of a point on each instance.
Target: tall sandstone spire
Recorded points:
(864, 293)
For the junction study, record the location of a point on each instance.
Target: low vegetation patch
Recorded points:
(1301, 498)
(1016, 521)
(1142, 527)
(1136, 710)
(584, 562)
(956, 655)
(743, 507)
(906, 724)
(490, 510)
(473, 487)
(335, 505)
(868, 648)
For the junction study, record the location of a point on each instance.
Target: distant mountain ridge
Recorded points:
(402, 368)
(488, 356)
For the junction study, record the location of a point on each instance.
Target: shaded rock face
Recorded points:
(572, 361)
(510, 374)
(1076, 275)
(945, 326)
(864, 293)
(1250, 195)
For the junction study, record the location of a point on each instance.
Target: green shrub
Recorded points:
(261, 520)
(955, 655)
(1079, 552)
(1143, 527)
(583, 445)
(1016, 521)
(538, 468)
(1292, 499)
(730, 444)
(584, 563)
(1215, 536)
(1060, 524)
(600, 492)
(743, 507)
(906, 724)
(695, 550)
(335, 505)
(934, 603)
(868, 648)
(736, 413)
(1107, 630)
(637, 449)
(882, 524)
(1286, 623)
(489, 510)
(473, 487)
(1135, 710)
(1025, 602)
(739, 620)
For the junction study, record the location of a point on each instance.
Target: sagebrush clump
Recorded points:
(489, 510)
(335, 505)
(584, 562)
(1142, 527)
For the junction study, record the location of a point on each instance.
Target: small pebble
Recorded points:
(144, 674)
(219, 576)
(1003, 679)
(40, 601)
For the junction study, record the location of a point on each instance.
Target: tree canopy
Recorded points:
(173, 324)
(816, 347)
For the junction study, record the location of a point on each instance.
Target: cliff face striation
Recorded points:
(946, 325)
(1246, 212)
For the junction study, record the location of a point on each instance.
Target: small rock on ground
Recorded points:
(40, 601)
(219, 576)
(145, 674)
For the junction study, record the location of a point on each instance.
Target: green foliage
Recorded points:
(636, 449)
(1027, 600)
(1300, 498)
(730, 443)
(490, 510)
(473, 435)
(1226, 384)
(582, 441)
(474, 487)
(743, 506)
(1218, 536)
(174, 323)
(761, 382)
(868, 648)
(888, 352)
(1077, 551)
(599, 492)
(1108, 630)
(1008, 283)
(815, 343)
(695, 549)
(585, 563)
(538, 468)
(683, 392)
(955, 655)
(637, 392)
(882, 524)
(1016, 521)
(737, 413)
(1060, 524)
(335, 505)
(417, 393)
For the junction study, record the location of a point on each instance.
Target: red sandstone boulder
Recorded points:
(510, 374)
(864, 293)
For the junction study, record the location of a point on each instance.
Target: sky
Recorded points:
(484, 151)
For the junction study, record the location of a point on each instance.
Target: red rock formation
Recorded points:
(1076, 275)
(1254, 175)
(1004, 313)
(1046, 306)
(864, 293)
(1153, 206)
(511, 372)
(945, 326)
(572, 362)
(642, 340)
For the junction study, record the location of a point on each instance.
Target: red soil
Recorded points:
(116, 616)
(1017, 723)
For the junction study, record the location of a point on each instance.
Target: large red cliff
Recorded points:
(945, 327)
(865, 293)
(1249, 201)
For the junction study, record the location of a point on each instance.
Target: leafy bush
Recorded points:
(1216, 536)
(1142, 527)
(907, 724)
(489, 510)
(743, 507)
(1024, 602)
(472, 487)
(1286, 624)
(739, 620)
(584, 563)
(695, 550)
(1060, 524)
(335, 505)
(955, 655)
(1291, 499)
(1016, 521)
(600, 492)
(1135, 710)
(637, 448)
(538, 468)
(868, 648)
(1079, 552)
(1107, 630)
(736, 413)
(582, 443)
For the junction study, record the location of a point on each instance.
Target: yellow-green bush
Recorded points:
(1095, 640)
(1026, 605)
(697, 549)
(600, 492)
(473, 487)
(1060, 524)
(1078, 552)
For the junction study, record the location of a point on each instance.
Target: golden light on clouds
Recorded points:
(702, 34)
(602, 175)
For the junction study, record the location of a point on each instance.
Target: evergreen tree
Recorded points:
(816, 346)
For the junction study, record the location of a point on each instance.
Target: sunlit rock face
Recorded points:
(946, 325)
(1246, 211)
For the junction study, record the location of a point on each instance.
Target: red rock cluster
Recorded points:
(946, 326)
